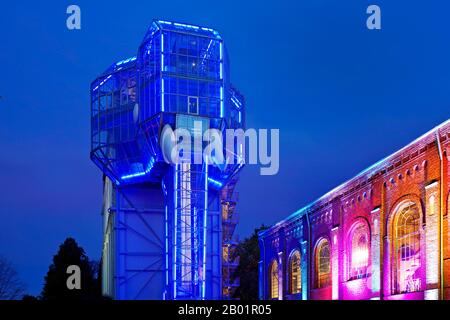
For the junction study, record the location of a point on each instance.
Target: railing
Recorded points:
(232, 218)
(230, 196)
(230, 283)
(232, 239)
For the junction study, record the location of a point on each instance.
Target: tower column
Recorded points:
(189, 222)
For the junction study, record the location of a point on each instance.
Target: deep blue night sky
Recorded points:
(342, 96)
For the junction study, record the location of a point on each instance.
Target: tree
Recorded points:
(11, 288)
(55, 286)
(247, 270)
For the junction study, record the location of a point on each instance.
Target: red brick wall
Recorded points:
(410, 174)
(403, 178)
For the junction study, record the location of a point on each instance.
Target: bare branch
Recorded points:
(11, 288)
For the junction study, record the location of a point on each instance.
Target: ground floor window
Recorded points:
(359, 251)
(274, 280)
(322, 264)
(407, 266)
(295, 273)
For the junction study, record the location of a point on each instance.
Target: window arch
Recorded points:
(406, 245)
(322, 264)
(295, 273)
(358, 251)
(274, 280)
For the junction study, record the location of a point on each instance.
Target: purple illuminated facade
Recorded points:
(381, 235)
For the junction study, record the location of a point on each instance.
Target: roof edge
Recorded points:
(373, 168)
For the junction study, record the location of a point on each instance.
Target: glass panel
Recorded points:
(274, 280)
(407, 244)
(323, 264)
(296, 274)
(359, 254)
(193, 105)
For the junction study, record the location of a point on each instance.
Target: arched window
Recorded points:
(359, 251)
(274, 280)
(323, 274)
(295, 273)
(406, 244)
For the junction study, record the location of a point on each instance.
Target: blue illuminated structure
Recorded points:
(167, 228)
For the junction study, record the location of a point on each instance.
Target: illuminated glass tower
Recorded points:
(168, 228)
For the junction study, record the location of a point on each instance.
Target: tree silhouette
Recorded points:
(55, 286)
(11, 288)
(247, 270)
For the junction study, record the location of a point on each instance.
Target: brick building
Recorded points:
(381, 235)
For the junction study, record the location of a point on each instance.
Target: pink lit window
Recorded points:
(359, 252)
(407, 249)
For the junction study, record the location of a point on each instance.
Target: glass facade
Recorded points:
(113, 111)
(181, 71)
(178, 69)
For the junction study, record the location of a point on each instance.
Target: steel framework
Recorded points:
(165, 230)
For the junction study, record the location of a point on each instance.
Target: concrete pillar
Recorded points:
(432, 246)
(335, 263)
(375, 252)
